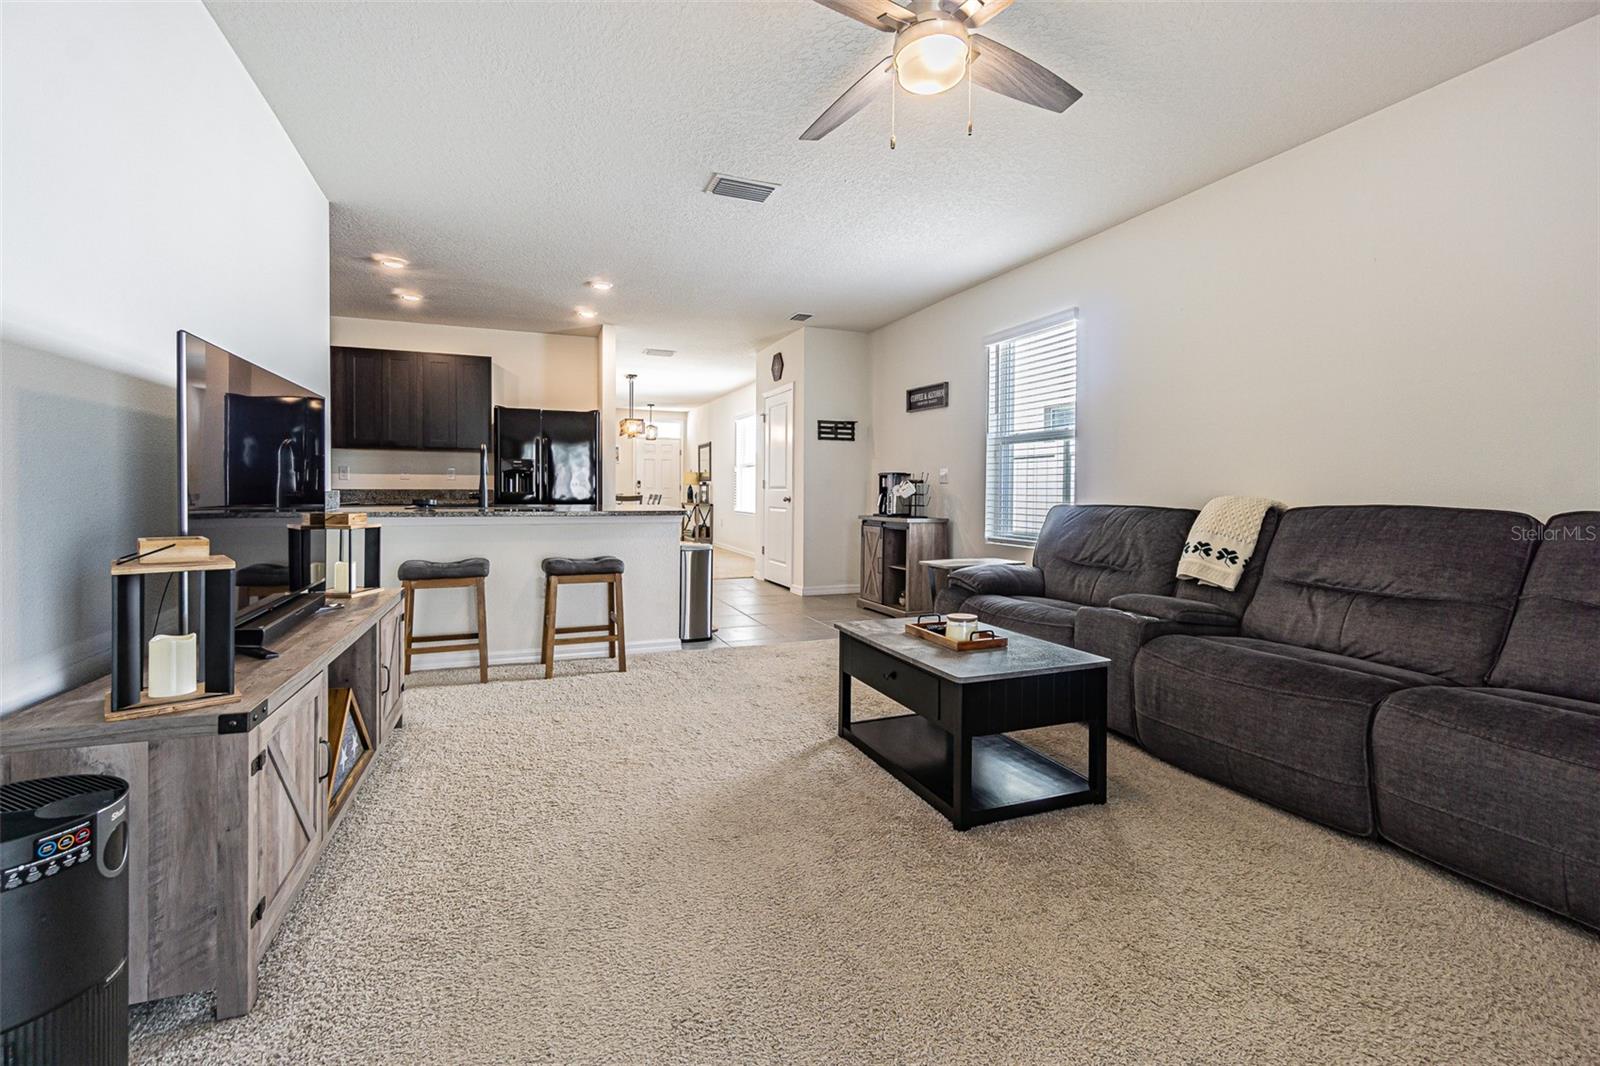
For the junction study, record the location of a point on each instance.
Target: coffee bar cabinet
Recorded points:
(230, 808)
(413, 400)
(893, 548)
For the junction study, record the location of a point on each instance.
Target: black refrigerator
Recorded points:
(547, 458)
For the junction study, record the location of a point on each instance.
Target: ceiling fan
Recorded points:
(934, 51)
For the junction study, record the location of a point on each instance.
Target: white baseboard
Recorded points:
(456, 660)
(823, 590)
(730, 548)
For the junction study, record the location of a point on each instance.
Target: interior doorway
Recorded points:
(777, 486)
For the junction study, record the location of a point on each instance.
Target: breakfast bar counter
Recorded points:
(515, 541)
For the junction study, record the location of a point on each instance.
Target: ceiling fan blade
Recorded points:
(883, 15)
(999, 69)
(854, 99)
(976, 12)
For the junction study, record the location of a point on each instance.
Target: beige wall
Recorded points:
(148, 188)
(838, 478)
(1403, 310)
(832, 377)
(713, 422)
(529, 370)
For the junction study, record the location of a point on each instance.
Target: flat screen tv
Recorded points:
(251, 474)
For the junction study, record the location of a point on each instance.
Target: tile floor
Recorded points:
(725, 563)
(747, 611)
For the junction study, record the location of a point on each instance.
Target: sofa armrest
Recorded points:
(998, 579)
(1174, 609)
(1118, 634)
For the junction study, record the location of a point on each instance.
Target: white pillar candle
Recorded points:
(319, 572)
(172, 662)
(341, 576)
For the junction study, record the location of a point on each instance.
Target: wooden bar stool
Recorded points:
(602, 569)
(463, 573)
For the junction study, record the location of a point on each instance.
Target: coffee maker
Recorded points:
(888, 502)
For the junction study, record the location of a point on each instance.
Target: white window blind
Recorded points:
(1033, 422)
(744, 464)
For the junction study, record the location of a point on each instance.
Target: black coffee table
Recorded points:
(952, 751)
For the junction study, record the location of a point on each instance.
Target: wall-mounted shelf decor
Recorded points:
(928, 397)
(830, 429)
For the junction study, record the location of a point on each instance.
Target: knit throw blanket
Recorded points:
(1222, 539)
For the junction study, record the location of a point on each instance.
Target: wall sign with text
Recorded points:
(835, 429)
(928, 397)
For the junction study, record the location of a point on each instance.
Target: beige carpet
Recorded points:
(684, 864)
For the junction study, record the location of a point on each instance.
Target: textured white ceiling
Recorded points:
(512, 150)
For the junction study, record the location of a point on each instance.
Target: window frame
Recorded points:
(998, 483)
(739, 465)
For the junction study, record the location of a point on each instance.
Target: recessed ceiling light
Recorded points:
(598, 285)
(587, 312)
(408, 297)
(390, 262)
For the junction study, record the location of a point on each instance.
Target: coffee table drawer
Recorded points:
(903, 683)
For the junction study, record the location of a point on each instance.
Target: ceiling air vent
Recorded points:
(660, 353)
(740, 188)
(800, 317)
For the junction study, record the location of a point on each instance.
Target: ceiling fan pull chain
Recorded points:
(892, 95)
(969, 92)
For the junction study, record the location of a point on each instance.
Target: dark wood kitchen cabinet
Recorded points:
(438, 400)
(474, 405)
(414, 400)
(357, 400)
(402, 394)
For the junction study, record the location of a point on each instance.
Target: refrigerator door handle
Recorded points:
(541, 447)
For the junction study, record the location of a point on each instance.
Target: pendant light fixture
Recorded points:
(650, 430)
(630, 426)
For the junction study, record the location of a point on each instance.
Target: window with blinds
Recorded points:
(1033, 421)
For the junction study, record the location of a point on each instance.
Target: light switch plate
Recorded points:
(344, 473)
(944, 475)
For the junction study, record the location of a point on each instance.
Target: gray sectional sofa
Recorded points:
(1428, 675)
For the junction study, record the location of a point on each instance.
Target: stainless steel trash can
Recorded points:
(694, 592)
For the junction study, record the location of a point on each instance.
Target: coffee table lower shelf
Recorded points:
(1009, 779)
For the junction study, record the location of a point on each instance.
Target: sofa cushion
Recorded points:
(1499, 784)
(1175, 609)
(1555, 633)
(1429, 589)
(999, 579)
(1091, 552)
(1117, 634)
(1284, 723)
(1037, 616)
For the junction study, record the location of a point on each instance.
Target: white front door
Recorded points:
(777, 488)
(659, 469)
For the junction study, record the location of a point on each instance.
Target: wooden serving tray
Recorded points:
(933, 633)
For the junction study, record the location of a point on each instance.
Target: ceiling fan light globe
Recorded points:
(931, 57)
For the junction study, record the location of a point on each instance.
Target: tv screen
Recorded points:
(251, 469)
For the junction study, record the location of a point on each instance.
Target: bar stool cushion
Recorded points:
(423, 570)
(562, 566)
